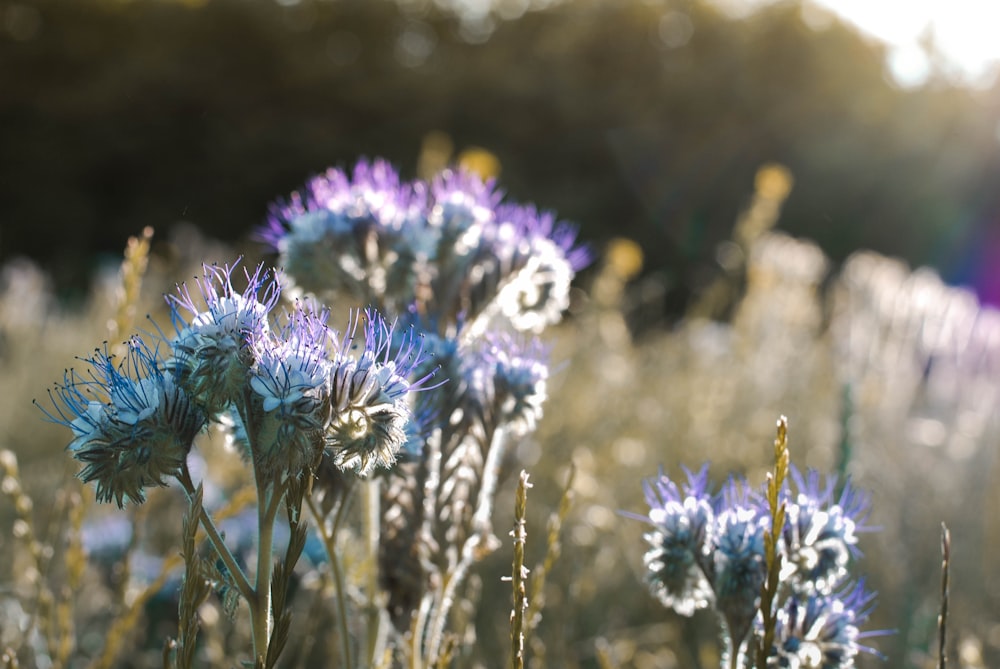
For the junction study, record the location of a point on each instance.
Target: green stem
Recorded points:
(239, 577)
(731, 656)
(269, 494)
(329, 539)
(371, 508)
(261, 615)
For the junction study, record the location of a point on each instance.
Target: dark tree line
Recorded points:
(631, 119)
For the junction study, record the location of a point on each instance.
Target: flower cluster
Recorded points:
(707, 550)
(450, 287)
(475, 276)
(292, 390)
(478, 278)
(450, 247)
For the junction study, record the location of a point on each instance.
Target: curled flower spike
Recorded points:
(679, 542)
(439, 358)
(821, 631)
(533, 225)
(462, 205)
(212, 352)
(448, 245)
(738, 567)
(518, 274)
(819, 535)
(343, 233)
(540, 294)
(133, 425)
(520, 380)
(510, 376)
(368, 399)
(292, 381)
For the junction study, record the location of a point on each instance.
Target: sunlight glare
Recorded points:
(963, 31)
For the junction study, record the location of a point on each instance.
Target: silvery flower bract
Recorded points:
(368, 397)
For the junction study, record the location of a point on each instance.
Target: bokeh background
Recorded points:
(728, 162)
(634, 118)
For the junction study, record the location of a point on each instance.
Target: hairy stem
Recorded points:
(329, 543)
(261, 615)
(371, 526)
(239, 577)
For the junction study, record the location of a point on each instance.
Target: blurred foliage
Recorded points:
(642, 119)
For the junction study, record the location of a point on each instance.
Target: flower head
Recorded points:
(213, 350)
(372, 195)
(368, 398)
(291, 379)
(508, 377)
(738, 567)
(819, 534)
(679, 541)
(462, 206)
(821, 631)
(449, 243)
(348, 232)
(133, 424)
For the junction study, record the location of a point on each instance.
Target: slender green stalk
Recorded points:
(261, 615)
(270, 493)
(846, 447)
(239, 577)
(329, 543)
(260, 609)
(731, 645)
(943, 616)
(372, 528)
